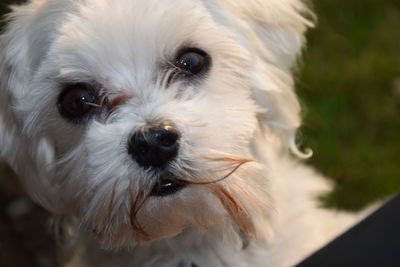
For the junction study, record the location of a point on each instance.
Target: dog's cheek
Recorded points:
(216, 121)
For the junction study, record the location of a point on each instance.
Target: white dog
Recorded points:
(158, 132)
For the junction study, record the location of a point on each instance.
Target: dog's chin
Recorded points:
(164, 202)
(123, 215)
(167, 209)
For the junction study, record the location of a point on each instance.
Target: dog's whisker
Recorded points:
(111, 201)
(229, 159)
(220, 155)
(240, 215)
(168, 77)
(239, 164)
(93, 104)
(137, 202)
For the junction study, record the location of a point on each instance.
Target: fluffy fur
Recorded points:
(249, 202)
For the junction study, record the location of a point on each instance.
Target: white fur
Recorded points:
(245, 108)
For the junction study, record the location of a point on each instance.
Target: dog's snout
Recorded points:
(154, 146)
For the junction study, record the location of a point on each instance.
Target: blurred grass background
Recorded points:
(350, 87)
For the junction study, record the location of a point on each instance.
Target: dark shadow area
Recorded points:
(373, 242)
(25, 238)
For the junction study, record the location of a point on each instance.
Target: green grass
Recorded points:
(350, 88)
(350, 85)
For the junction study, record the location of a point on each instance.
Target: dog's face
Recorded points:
(138, 117)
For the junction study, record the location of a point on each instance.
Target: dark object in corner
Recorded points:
(373, 242)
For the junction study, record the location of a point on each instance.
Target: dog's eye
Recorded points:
(192, 61)
(76, 100)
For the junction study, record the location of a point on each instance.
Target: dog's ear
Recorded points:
(22, 47)
(27, 38)
(274, 34)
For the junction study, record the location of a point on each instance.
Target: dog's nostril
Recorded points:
(167, 138)
(154, 147)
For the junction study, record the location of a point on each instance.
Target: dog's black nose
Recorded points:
(154, 146)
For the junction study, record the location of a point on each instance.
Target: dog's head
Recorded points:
(138, 117)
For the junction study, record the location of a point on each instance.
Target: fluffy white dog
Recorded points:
(159, 133)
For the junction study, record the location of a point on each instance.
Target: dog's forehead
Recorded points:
(132, 36)
(140, 19)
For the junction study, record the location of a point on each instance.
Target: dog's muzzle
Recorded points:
(154, 146)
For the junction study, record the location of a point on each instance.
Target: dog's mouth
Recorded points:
(167, 186)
